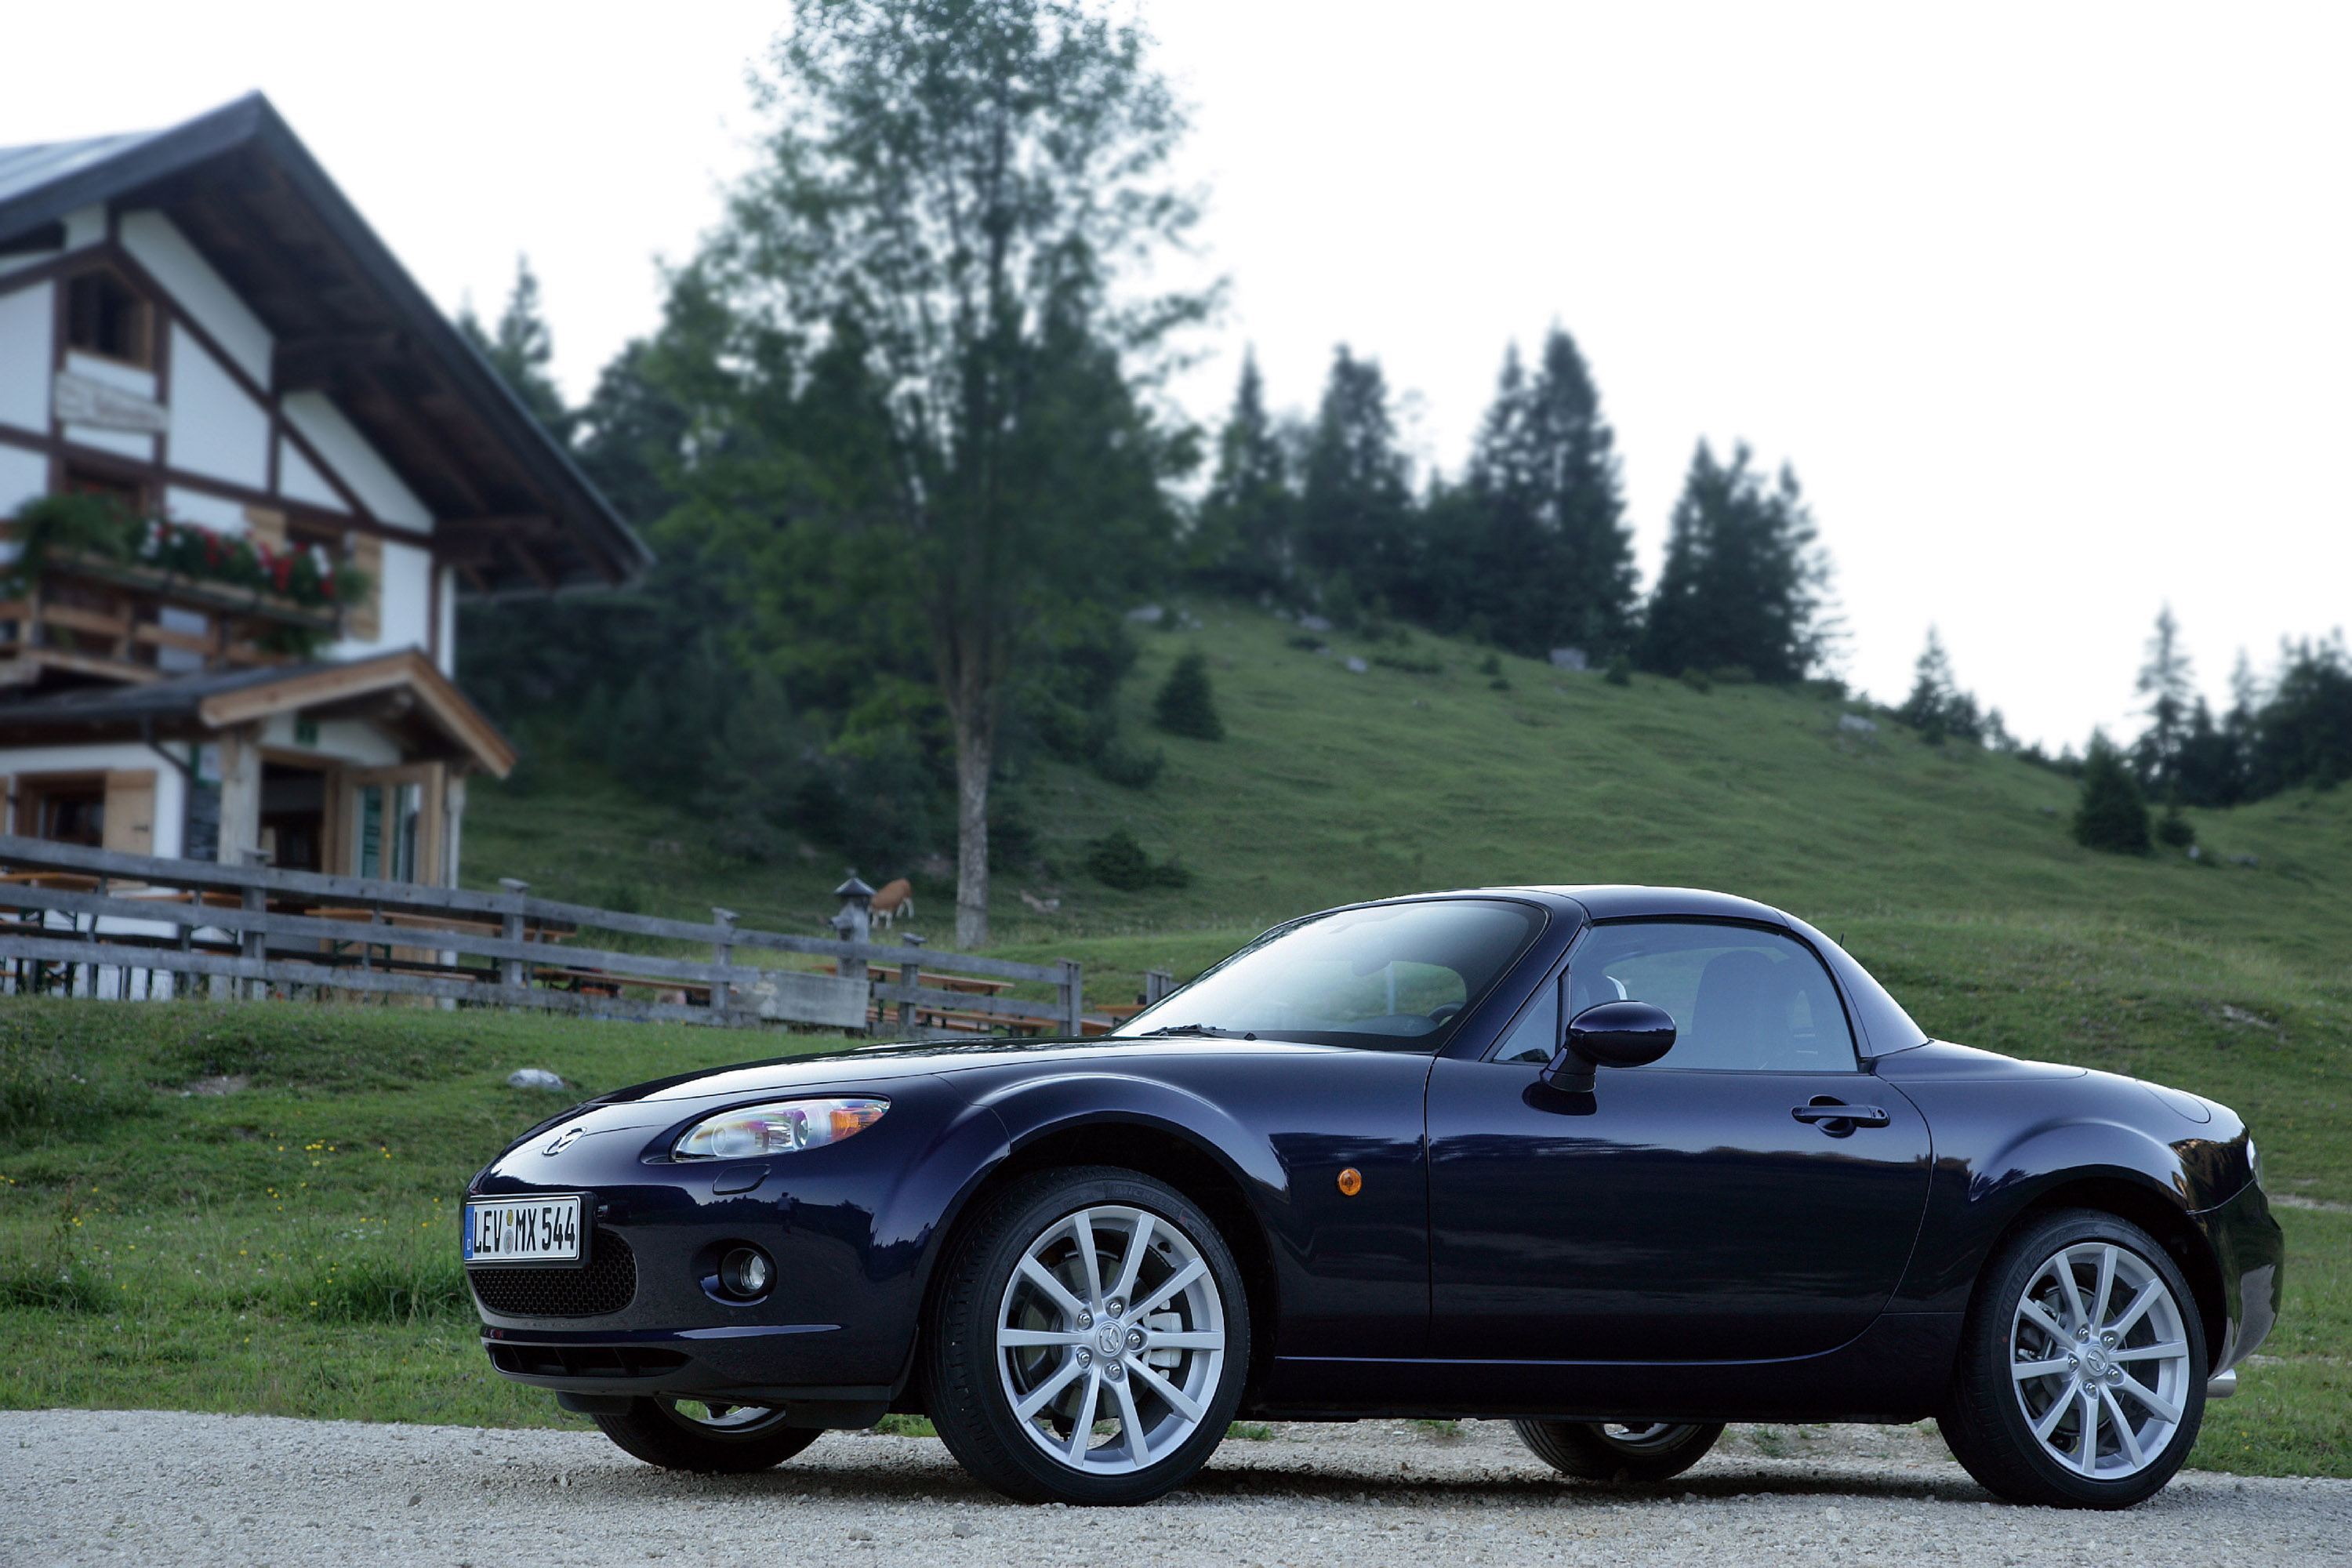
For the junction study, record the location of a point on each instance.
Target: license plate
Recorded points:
(523, 1230)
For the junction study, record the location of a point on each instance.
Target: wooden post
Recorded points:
(723, 953)
(1074, 996)
(854, 924)
(254, 943)
(1157, 984)
(511, 972)
(240, 796)
(911, 975)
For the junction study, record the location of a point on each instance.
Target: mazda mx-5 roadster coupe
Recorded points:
(1619, 1165)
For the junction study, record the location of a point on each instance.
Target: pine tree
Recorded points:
(1533, 543)
(1743, 581)
(520, 350)
(1357, 503)
(2164, 680)
(2112, 814)
(1937, 708)
(1185, 705)
(1246, 541)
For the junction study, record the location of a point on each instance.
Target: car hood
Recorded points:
(880, 1064)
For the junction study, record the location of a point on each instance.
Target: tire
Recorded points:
(2019, 1433)
(1615, 1451)
(729, 1439)
(1077, 1347)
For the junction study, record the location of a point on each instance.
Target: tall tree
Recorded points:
(1936, 707)
(956, 194)
(1553, 558)
(1356, 506)
(2111, 814)
(2164, 680)
(1743, 581)
(1246, 541)
(521, 349)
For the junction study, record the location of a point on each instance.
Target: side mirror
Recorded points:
(1614, 1034)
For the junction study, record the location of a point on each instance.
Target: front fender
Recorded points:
(1989, 1171)
(1348, 1263)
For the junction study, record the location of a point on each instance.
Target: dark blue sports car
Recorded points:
(1619, 1163)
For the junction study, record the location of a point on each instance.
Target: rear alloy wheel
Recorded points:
(1618, 1450)
(2082, 1379)
(1089, 1342)
(689, 1435)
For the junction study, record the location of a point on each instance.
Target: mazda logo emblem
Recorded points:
(564, 1143)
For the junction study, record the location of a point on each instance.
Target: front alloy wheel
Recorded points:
(2082, 1375)
(1090, 1340)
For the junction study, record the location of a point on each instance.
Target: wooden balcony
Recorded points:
(92, 618)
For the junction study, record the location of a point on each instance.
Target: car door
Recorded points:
(1700, 1209)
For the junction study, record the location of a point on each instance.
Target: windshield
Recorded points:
(1392, 977)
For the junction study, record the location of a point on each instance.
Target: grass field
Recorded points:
(287, 1245)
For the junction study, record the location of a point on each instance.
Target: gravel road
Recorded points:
(83, 1487)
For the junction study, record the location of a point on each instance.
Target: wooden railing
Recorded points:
(98, 923)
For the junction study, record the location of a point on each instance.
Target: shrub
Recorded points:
(1408, 663)
(1117, 860)
(1185, 705)
(2112, 815)
(1734, 675)
(1695, 678)
(2176, 829)
(1130, 766)
(1620, 672)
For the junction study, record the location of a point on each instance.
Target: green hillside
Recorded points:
(1333, 785)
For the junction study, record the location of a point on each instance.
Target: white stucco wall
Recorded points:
(298, 480)
(216, 429)
(22, 476)
(184, 505)
(203, 293)
(25, 356)
(403, 600)
(85, 226)
(354, 461)
(352, 741)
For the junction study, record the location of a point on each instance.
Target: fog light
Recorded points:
(746, 1272)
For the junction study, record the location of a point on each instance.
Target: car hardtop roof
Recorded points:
(1619, 901)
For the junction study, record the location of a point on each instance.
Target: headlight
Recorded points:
(783, 1128)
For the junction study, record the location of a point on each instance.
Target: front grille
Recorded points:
(583, 1361)
(608, 1284)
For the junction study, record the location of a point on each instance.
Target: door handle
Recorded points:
(1853, 1115)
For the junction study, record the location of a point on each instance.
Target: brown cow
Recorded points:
(896, 899)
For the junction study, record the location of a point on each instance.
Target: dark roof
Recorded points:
(180, 697)
(516, 514)
(401, 688)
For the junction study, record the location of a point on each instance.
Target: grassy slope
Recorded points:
(1949, 872)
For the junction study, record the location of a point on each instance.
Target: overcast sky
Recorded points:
(2047, 305)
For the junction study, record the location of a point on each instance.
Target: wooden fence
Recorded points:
(76, 921)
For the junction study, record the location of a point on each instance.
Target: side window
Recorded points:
(1535, 1035)
(1743, 1000)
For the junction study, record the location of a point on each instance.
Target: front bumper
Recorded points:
(851, 1231)
(2250, 1251)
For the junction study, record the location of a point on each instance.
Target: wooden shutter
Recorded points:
(363, 622)
(266, 527)
(131, 810)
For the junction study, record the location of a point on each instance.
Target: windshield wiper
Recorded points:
(1211, 1030)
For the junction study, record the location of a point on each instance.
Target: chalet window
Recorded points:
(64, 810)
(104, 316)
